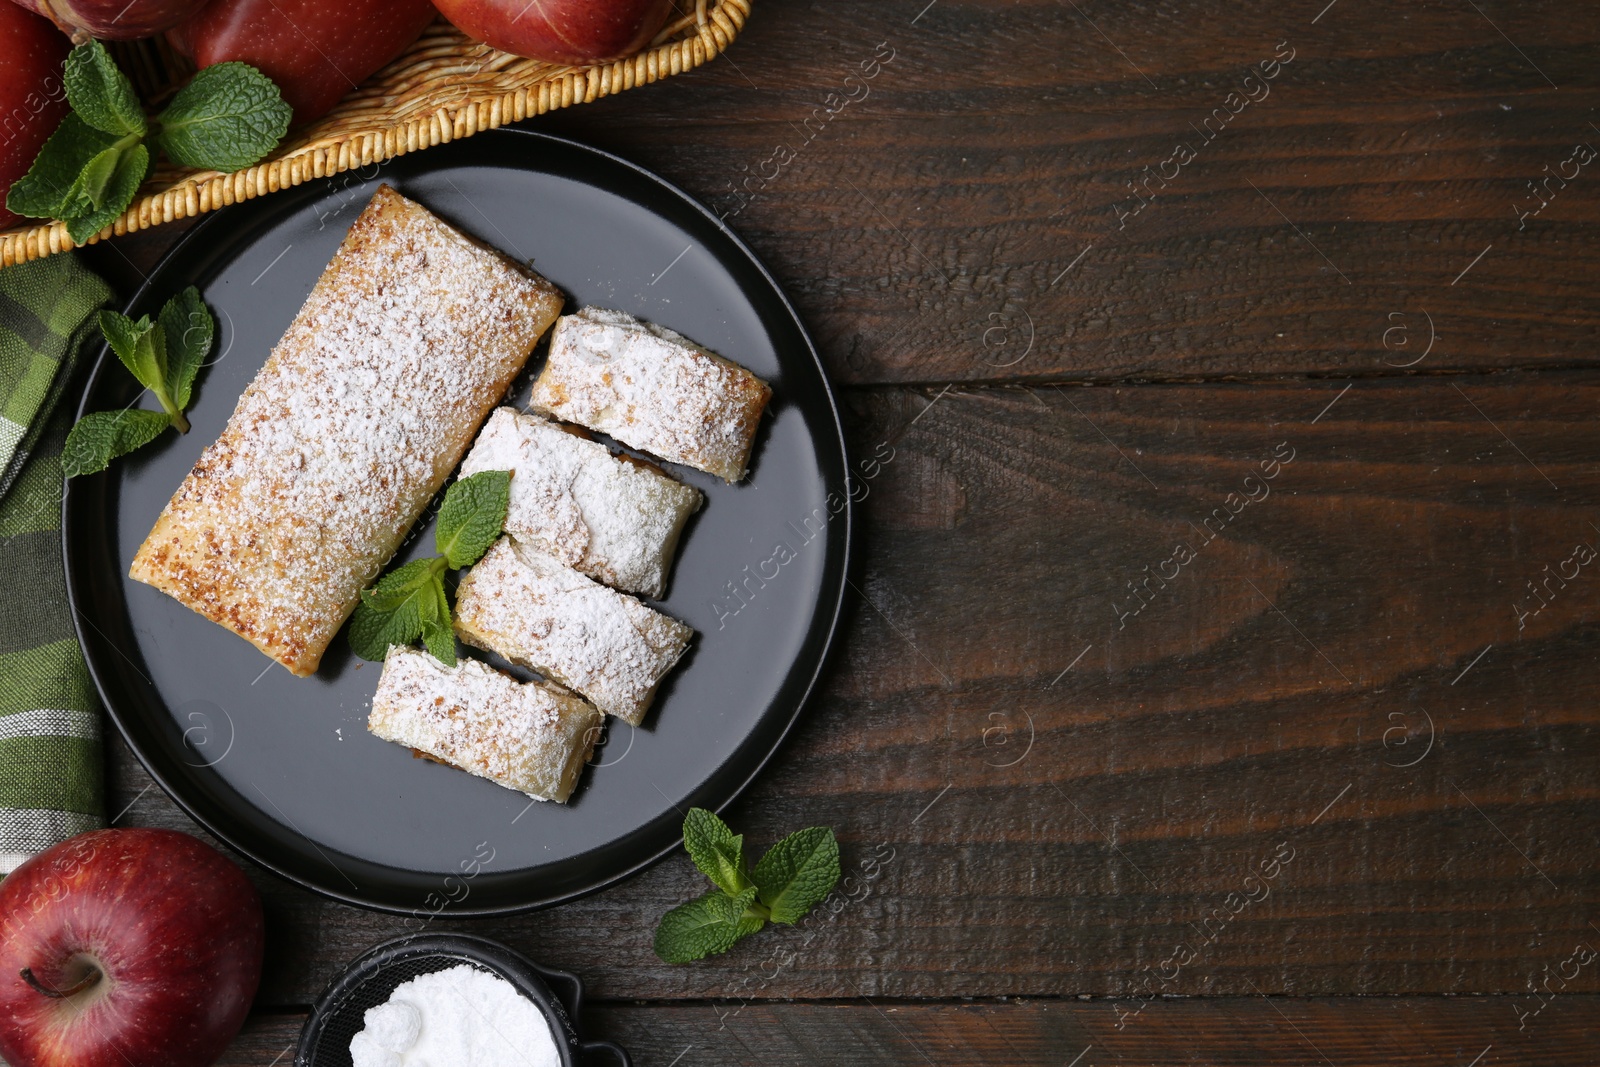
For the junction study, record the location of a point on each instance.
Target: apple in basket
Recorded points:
(315, 50)
(574, 32)
(113, 20)
(32, 100)
(126, 948)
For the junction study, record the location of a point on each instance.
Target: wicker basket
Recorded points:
(442, 88)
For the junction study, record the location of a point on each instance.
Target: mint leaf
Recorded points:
(50, 189)
(391, 612)
(142, 347)
(100, 93)
(404, 583)
(798, 873)
(227, 118)
(440, 639)
(95, 179)
(472, 516)
(189, 329)
(705, 926)
(437, 634)
(715, 850)
(136, 344)
(102, 436)
(133, 166)
(373, 631)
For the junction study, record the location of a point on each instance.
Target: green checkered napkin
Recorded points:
(51, 766)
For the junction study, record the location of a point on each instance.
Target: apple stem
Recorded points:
(61, 994)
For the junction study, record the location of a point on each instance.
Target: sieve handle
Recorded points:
(614, 1053)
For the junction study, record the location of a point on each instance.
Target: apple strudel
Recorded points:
(539, 613)
(614, 518)
(531, 737)
(409, 338)
(653, 389)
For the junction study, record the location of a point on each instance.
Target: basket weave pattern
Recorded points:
(444, 87)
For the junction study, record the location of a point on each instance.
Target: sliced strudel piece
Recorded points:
(538, 612)
(614, 518)
(408, 340)
(653, 389)
(531, 737)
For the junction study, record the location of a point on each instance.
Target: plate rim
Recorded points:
(839, 596)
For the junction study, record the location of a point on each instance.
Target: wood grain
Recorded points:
(1344, 748)
(925, 226)
(1387, 1032)
(928, 212)
(1323, 759)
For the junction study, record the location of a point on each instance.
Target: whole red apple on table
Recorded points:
(315, 50)
(32, 100)
(575, 32)
(113, 20)
(126, 948)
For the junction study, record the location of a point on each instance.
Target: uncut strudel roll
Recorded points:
(410, 337)
(653, 389)
(614, 518)
(539, 613)
(531, 737)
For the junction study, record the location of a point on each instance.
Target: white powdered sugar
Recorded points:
(410, 337)
(458, 1017)
(614, 519)
(539, 613)
(393, 1026)
(653, 389)
(531, 737)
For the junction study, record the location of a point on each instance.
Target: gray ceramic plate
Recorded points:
(282, 768)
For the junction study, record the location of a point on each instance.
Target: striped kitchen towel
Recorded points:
(51, 764)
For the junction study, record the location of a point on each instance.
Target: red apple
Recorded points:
(575, 32)
(113, 20)
(316, 51)
(126, 948)
(32, 100)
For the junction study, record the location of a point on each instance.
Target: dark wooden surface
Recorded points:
(1044, 794)
(1371, 1032)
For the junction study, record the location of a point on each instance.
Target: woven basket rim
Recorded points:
(424, 112)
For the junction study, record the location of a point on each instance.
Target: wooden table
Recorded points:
(1224, 646)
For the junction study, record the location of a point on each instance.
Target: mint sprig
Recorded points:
(90, 169)
(64, 174)
(794, 876)
(410, 601)
(164, 357)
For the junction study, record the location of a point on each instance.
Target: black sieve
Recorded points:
(338, 1014)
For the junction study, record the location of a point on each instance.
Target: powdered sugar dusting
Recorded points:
(537, 612)
(653, 389)
(408, 339)
(530, 737)
(615, 520)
